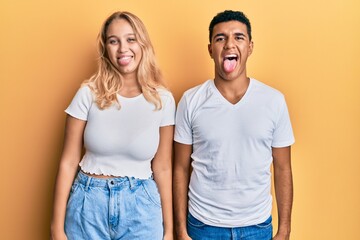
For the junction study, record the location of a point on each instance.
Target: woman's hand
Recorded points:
(58, 236)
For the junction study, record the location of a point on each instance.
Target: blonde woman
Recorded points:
(124, 117)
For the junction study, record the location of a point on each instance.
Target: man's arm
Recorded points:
(181, 187)
(283, 190)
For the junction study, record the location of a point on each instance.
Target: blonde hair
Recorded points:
(107, 81)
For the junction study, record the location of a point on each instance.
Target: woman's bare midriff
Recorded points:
(99, 176)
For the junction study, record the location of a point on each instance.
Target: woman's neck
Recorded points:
(130, 88)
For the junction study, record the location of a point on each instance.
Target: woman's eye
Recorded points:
(132, 40)
(113, 41)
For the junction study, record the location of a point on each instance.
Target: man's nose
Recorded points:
(229, 43)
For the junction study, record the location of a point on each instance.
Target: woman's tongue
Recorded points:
(229, 65)
(124, 60)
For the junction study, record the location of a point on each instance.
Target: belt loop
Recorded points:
(87, 183)
(130, 182)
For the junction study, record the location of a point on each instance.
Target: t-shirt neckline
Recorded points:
(130, 98)
(224, 100)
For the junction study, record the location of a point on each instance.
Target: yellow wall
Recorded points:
(307, 49)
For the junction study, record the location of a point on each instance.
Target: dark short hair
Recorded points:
(229, 15)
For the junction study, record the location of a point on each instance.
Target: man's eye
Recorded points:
(219, 39)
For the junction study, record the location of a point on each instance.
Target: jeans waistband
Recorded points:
(89, 181)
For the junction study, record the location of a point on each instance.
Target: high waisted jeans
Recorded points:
(115, 208)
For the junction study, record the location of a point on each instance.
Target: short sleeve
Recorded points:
(183, 130)
(80, 104)
(283, 134)
(168, 117)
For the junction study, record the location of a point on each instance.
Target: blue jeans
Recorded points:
(200, 231)
(115, 208)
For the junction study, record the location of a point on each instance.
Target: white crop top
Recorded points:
(121, 142)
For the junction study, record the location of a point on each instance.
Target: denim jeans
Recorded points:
(115, 208)
(200, 231)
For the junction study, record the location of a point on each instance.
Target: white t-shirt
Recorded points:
(230, 184)
(121, 142)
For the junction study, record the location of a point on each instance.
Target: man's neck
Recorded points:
(232, 90)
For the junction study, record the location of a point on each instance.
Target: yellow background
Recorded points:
(307, 49)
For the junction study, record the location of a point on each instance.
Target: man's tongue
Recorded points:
(229, 65)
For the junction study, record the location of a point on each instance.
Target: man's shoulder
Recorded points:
(198, 89)
(265, 89)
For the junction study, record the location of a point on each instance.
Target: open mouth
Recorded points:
(124, 60)
(124, 57)
(231, 57)
(230, 62)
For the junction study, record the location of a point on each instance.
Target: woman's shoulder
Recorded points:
(164, 92)
(166, 96)
(84, 93)
(86, 89)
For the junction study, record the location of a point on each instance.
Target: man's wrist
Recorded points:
(284, 231)
(181, 232)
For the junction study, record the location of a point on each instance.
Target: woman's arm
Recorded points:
(70, 157)
(162, 169)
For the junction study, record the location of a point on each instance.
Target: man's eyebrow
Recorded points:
(219, 35)
(223, 34)
(240, 34)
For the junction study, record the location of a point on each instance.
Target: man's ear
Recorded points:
(210, 50)
(251, 47)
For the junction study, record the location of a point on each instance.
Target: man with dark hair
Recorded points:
(230, 130)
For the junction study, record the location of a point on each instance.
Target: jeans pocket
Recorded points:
(74, 187)
(266, 224)
(75, 197)
(194, 222)
(151, 192)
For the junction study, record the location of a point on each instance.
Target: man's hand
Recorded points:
(183, 237)
(280, 236)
